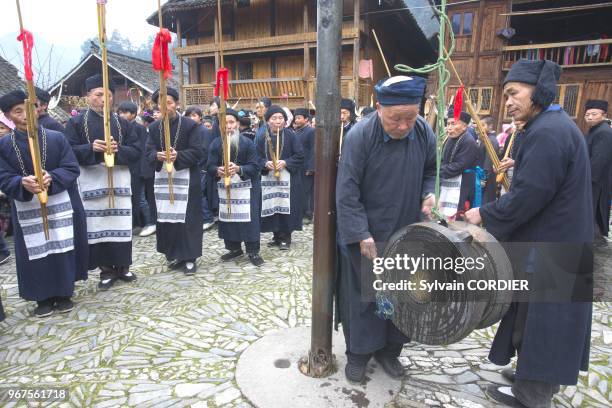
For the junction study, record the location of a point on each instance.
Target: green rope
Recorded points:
(443, 79)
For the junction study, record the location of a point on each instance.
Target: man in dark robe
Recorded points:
(260, 110)
(179, 239)
(599, 142)
(208, 216)
(386, 178)
(306, 134)
(489, 191)
(46, 269)
(280, 214)
(44, 119)
(141, 214)
(546, 220)
(347, 114)
(212, 194)
(109, 230)
(246, 128)
(459, 160)
(239, 223)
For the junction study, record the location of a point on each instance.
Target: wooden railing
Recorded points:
(291, 92)
(567, 54)
(280, 42)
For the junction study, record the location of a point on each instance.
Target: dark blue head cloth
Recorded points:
(400, 90)
(544, 75)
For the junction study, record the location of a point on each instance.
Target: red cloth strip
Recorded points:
(27, 39)
(222, 78)
(458, 103)
(161, 57)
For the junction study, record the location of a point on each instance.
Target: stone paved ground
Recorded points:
(171, 340)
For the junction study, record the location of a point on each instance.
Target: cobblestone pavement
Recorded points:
(173, 340)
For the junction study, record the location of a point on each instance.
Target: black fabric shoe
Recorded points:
(175, 264)
(391, 366)
(256, 259)
(508, 374)
(231, 255)
(44, 308)
(63, 304)
(273, 243)
(5, 258)
(125, 274)
(283, 246)
(106, 284)
(493, 392)
(355, 372)
(190, 267)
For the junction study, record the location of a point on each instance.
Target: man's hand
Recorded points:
(504, 165)
(368, 248)
(173, 154)
(114, 146)
(310, 173)
(427, 205)
(31, 184)
(161, 156)
(270, 165)
(281, 164)
(47, 179)
(233, 169)
(99, 146)
(220, 172)
(473, 216)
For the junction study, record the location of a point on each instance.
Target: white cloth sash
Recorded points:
(276, 194)
(175, 212)
(239, 208)
(105, 224)
(59, 218)
(450, 192)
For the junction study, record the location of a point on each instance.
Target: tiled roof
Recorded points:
(9, 77)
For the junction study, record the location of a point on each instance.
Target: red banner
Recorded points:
(161, 57)
(27, 39)
(222, 78)
(458, 103)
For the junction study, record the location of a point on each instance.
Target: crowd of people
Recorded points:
(260, 178)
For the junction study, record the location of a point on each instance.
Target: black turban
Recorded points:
(348, 105)
(9, 100)
(170, 91)
(302, 112)
(544, 75)
(463, 116)
(596, 104)
(42, 95)
(232, 112)
(95, 81)
(274, 109)
(266, 101)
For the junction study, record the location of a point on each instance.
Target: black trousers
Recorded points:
(251, 247)
(282, 237)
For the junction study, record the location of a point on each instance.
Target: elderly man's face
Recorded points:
(455, 128)
(231, 123)
(594, 117)
(260, 109)
(276, 122)
(518, 101)
(95, 99)
(18, 115)
(397, 120)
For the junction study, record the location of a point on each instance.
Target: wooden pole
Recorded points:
(222, 112)
(34, 147)
(163, 109)
(382, 55)
(109, 155)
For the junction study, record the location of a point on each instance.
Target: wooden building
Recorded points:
(269, 46)
(491, 35)
(132, 78)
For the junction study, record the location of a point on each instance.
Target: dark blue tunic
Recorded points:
(105, 253)
(293, 155)
(599, 142)
(53, 275)
(181, 241)
(549, 202)
(248, 162)
(380, 185)
(465, 157)
(48, 122)
(306, 135)
(212, 195)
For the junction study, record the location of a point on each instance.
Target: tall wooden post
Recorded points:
(329, 23)
(356, 47)
(179, 43)
(306, 56)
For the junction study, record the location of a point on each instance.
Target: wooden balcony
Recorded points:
(291, 92)
(575, 54)
(278, 43)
